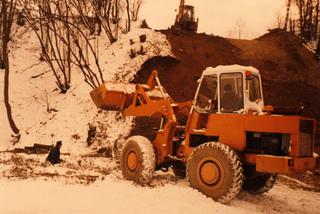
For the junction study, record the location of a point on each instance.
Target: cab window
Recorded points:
(231, 90)
(253, 84)
(206, 100)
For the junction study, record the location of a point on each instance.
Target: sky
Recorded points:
(218, 17)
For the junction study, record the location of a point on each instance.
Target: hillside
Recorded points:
(291, 75)
(44, 115)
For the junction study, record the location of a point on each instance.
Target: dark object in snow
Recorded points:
(76, 137)
(144, 24)
(132, 54)
(54, 154)
(41, 58)
(143, 38)
(104, 152)
(141, 52)
(91, 134)
(35, 149)
(21, 20)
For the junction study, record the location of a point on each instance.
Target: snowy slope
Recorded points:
(74, 110)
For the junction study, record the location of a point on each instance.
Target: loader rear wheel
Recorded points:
(258, 183)
(216, 171)
(138, 160)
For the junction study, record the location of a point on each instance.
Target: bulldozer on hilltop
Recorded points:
(230, 141)
(185, 19)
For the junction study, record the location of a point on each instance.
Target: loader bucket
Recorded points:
(113, 96)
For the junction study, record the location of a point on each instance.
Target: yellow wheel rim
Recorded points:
(132, 161)
(209, 173)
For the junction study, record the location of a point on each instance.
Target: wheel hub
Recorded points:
(209, 173)
(132, 161)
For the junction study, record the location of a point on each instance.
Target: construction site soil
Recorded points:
(290, 72)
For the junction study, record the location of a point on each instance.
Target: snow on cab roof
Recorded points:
(226, 68)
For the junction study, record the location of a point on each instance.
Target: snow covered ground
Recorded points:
(116, 196)
(109, 196)
(93, 184)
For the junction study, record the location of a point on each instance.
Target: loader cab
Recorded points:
(229, 89)
(188, 13)
(185, 18)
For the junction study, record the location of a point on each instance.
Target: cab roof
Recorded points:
(228, 69)
(188, 6)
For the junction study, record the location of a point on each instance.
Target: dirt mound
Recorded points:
(291, 75)
(194, 53)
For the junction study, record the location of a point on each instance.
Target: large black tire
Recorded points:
(216, 171)
(138, 160)
(258, 183)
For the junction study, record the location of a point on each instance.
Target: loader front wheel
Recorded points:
(138, 160)
(216, 171)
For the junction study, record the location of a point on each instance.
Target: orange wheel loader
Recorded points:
(231, 140)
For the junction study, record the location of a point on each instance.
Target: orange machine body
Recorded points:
(233, 129)
(273, 143)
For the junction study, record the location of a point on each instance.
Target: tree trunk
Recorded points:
(128, 14)
(316, 19)
(287, 15)
(309, 20)
(300, 6)
(1, 57)
(5, 41)
(318, 48)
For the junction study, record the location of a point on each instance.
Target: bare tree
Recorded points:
(279, 22)
(292, 24)
(53, 50)
(128, 16)
(1, 30)
(108, 15)
(318, 48)
(7, 12)
(317, 18)
(67, 43)
(135, 9)
(309, 21)
(240, 25)
(287, 14)
(69, 33)
(308, 18)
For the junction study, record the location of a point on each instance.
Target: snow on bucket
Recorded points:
(113, 96)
